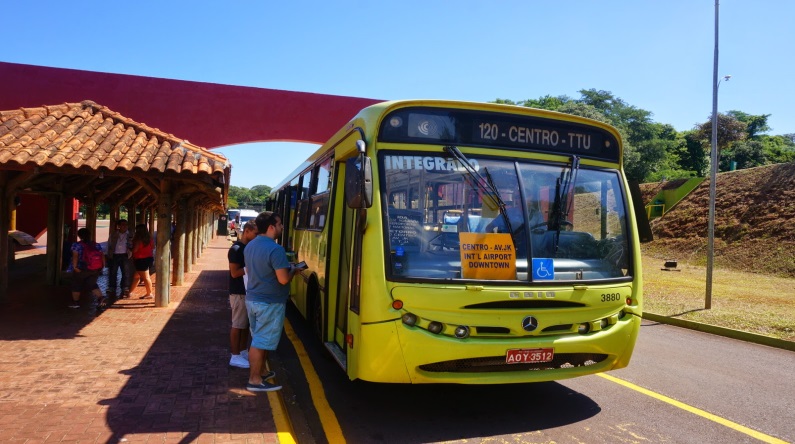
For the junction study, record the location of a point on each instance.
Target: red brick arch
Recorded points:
(207, 114)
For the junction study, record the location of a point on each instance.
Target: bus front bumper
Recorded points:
(431, 358)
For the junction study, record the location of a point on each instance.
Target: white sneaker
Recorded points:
(238, 361)
(244, 354)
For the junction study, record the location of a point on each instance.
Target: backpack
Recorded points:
(92, 256)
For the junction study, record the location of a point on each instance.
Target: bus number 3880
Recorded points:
(610, 297)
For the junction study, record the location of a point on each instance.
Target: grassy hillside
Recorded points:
(754, 222)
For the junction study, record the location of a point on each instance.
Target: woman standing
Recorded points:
(143, 256)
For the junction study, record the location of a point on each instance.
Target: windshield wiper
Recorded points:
(561, 207)
(486, 186)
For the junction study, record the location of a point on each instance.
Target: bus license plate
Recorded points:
(523, 356)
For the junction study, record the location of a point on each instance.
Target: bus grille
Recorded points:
(497, 364)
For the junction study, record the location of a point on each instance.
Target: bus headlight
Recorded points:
(435, 327)
(409, 319)
(462, 332)
(584, 328)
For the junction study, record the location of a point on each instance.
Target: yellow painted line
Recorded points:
(284, 428)
(696, 411)
(331, 427)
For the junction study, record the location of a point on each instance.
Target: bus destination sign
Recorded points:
(499, 130)
(553, 138)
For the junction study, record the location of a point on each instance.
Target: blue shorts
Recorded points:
(266, 321)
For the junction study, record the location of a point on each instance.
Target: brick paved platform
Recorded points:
(133, 373)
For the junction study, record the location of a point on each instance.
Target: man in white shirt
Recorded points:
(119, 253)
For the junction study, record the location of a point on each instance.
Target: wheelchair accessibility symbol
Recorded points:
(543, 269)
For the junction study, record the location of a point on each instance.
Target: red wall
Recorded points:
(207, 114)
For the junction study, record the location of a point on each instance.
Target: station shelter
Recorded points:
(54, 158)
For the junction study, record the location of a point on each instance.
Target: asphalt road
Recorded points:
(682, 386)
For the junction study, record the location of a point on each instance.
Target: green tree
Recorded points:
(730, 130)
(755, 125)
(646, 143)
(779, 149)
(240, 195)
(254, 197)
(659, 154)
(744, 154)
(261, 192)
(582, 110)
(694, 156)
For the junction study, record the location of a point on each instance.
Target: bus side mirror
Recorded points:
(359, 182)
(644, 228)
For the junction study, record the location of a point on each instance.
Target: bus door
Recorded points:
(345, 285)
(341, 307)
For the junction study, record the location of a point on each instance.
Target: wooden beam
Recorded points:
(78, 186)
(13, 183)
(129, 195)
(147, 186)
(112, 189)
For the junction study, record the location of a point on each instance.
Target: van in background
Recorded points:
(243, 217)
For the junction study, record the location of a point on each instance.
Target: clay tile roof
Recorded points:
(88, 135)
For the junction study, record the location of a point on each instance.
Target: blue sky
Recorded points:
(655, 55)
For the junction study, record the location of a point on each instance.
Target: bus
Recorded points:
(471, 243)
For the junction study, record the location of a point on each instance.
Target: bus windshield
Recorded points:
(566, 222)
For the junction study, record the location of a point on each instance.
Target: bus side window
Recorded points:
(319, 210)
(301, 213)
(320, 197)
(302, 206)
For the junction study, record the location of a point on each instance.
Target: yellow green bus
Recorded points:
(474, 243)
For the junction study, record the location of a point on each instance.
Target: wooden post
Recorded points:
(11, 215)
(113, 219)
(203, 221)
(196, 235)
(91, 218)
(189, 233)
(179, 240)
(4, 226)
(151, 218)
(163, 259)
(55, 221)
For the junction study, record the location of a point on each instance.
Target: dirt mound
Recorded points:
(754, 221)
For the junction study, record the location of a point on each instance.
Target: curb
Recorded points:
(722, 331)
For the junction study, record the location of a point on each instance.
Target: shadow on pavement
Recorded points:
(183, 385)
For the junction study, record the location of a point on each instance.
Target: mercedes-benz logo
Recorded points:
(529, 323)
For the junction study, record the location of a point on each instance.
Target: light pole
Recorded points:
(713, 167)
(712, 192)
